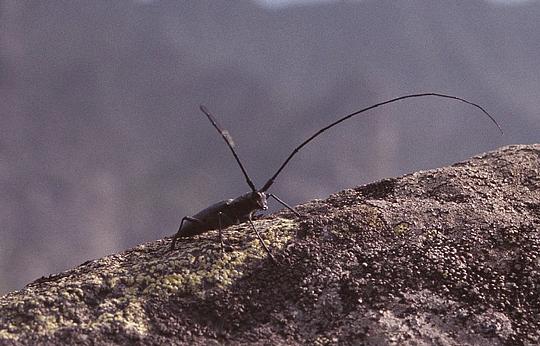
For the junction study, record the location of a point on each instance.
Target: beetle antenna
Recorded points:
(271, 180)
(228, 139)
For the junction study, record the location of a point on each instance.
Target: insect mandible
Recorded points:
(241, 209)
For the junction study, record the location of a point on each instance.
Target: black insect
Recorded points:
(241, 209)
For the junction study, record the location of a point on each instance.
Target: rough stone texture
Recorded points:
(447, 256)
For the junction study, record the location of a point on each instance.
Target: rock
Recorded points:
(449, 256)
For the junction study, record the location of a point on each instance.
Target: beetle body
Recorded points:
(221, 215)
(233, 211)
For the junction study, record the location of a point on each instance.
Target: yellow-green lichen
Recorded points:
(6, 334)
(401, 228)
(433, 234)
(204, 264)
(121, 284)
(49, 323)
(131, 316)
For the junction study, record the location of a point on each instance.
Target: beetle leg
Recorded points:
(177, 235)
(223, 216)
(284, 204)
(221, 232)
(261, 240)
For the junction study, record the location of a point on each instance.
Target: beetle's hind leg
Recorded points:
(222, 216)
(178, 235)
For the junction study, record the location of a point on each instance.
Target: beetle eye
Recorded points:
(261, 201)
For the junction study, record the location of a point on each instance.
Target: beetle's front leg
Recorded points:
(284, 204)
(261, 240)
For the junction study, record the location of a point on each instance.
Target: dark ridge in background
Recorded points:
(102, 145)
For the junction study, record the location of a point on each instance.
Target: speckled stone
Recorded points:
(449, 256)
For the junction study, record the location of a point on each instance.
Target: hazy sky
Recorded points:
(282, 3)
(102, 146)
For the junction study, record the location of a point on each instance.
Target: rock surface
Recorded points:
(448, 256)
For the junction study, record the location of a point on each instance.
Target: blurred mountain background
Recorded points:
(102, 145)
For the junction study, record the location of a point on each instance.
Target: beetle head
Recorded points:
(259, 198)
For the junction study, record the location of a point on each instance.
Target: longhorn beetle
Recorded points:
(233, 211)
